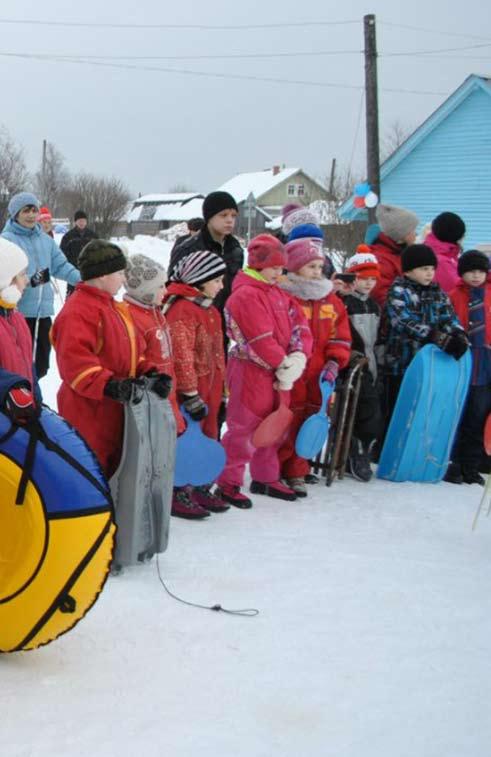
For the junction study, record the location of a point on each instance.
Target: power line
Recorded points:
(431, 31)
(294, 54)
(204, 27)
(434, 51)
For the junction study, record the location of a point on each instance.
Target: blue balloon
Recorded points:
(362, 189)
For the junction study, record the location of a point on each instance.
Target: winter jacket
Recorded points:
(16, 347)
(197, 344)
(412, 312)
(74, 241)
(42, 252)
(96, 340)
(388, 254)
(265, 323)
(364, 316)
(231, 252)
(151, 323)
(473, 308)
(447, 254)
(329, 325)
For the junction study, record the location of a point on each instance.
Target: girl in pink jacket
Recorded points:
(447, 231)
(271, 342)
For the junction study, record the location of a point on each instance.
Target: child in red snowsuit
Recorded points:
(199, 361)
(329, 324)
(18, 383)
(99, 353)
(271, 344)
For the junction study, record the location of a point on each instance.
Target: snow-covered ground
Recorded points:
(373, 638)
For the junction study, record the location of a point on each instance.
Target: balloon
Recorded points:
(359, 202)
(362, 189)
(371, 199)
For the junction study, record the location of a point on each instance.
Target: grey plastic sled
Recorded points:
(142, 485)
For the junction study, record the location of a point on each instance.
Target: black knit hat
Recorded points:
(473, 260)
(215, 202)
(80, 214)
(417, 255)
(99, 258)
(448, 227)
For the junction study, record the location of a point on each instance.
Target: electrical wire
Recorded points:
(203, 27)
(431, 31)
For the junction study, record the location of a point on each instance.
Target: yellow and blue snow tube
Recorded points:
(56, 531)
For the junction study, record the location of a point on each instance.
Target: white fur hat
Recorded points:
(13, 260)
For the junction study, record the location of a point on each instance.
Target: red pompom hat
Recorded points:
(265, 251)
(44, 214)
(363, 263)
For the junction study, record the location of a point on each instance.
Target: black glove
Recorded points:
(455, 344)
(121, 390)
(195, 407)
(161, 385)
(40, 277)
(20, 406)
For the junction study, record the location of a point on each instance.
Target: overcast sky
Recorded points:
(154, 129)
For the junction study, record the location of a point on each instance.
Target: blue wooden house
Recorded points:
(445, 165)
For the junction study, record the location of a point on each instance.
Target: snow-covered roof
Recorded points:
(167, 211)
(161, 198)
(257, 182)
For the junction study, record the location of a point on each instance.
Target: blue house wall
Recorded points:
(446, 166)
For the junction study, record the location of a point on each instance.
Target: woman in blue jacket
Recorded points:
(45, 261)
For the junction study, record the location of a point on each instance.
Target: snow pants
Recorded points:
(468, 448)
(252, 398)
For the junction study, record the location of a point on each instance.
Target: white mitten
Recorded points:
(290, 369)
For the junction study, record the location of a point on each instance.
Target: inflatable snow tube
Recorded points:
(57, 531)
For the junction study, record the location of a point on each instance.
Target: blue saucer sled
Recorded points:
(426, 417)
(199, 459)
(314, 431)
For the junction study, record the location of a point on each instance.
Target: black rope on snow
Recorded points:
(249, 612)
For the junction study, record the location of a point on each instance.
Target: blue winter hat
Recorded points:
(305, 230)
(20, 200)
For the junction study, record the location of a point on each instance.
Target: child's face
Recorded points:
(211, 288)
(423, 274)
(159, 295)
(365, 284)
(112, 282)
(312, 270)
(27, 217)
(20, 281)
(222, 223)
(272, 274)
(475, 278)
(410, 238)
(46, 225)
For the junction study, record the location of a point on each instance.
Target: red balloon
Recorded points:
(359, 202)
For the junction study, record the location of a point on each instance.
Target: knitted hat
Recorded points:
(215, 202)
(13, 260)
(396, 222)
(302, 251)
(80, 214)
(44, 214)
(363, 263)
(143, 277)
(265, 251)
(198, 268)
(306, 231)
(294, 214)
(100, 258)
(21, 200)
(417, 255)
(448, 227)
(473, 260)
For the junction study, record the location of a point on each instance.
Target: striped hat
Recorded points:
(363, 263)
(198, 268)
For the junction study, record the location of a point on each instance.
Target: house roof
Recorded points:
(168, 211)
(257, 182)
(168, 197)
(473, 82)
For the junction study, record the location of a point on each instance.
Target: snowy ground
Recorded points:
(372, 639)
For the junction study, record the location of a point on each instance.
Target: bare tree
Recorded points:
(104, 200)
(395, 134)
(51, 178)
(14, 176)
(180, 187)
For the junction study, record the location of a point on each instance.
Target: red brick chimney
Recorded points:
(276, 170)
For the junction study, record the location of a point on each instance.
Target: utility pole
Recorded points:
(371, 100)
(332, 179)
(43, 166)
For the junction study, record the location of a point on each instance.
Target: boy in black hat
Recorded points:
(75, 240)
(472, 302)
(417, 312)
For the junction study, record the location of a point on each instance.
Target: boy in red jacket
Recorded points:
(472, 302)
(328, 321)
(199, 361)
(272, 341)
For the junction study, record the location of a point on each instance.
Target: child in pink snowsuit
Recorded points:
(271, 342)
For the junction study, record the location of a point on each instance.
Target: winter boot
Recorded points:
(485, 466)
(202, 496)
(358, 463)
(311, 478)
(184, 507)
(233, 495)
(273, 489)
(298, 485)
(472, 476)
(454, 474)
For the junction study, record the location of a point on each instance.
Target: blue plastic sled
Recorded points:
(313, 433)
(426, 416)
(199, 459)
